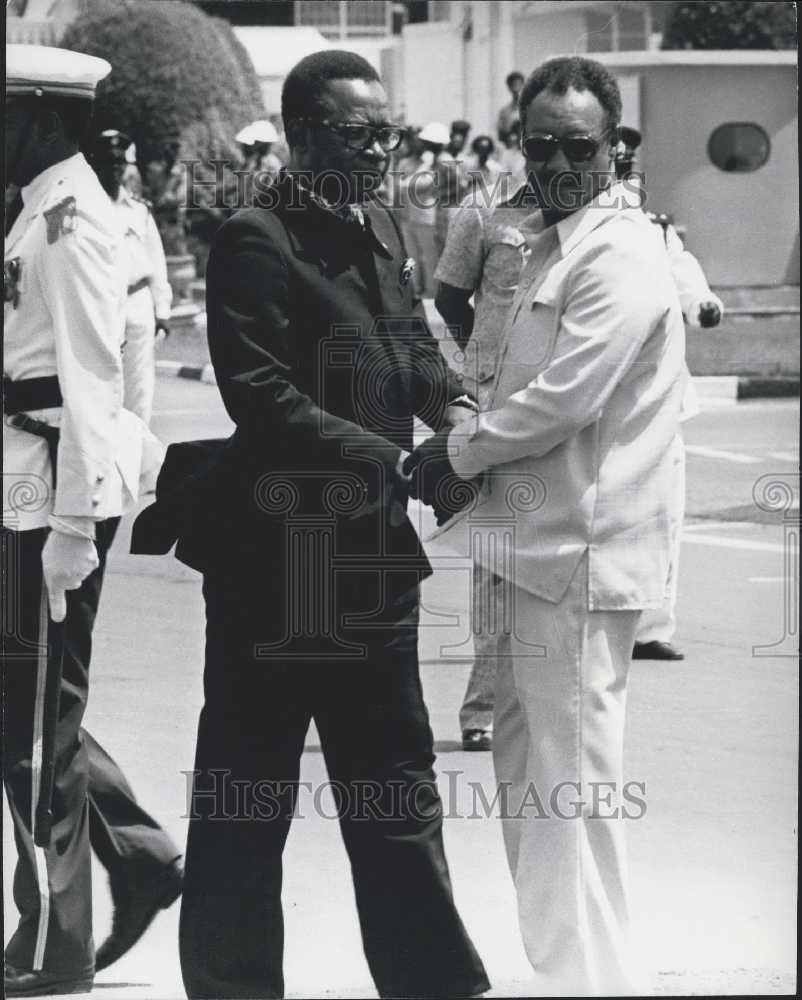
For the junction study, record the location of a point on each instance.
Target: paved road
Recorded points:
(714, 738)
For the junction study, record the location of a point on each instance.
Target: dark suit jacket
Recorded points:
(322, 358)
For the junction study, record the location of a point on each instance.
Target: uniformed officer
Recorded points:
(149, 294)
(74, 462)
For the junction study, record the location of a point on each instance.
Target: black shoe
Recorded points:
(134, 909)
(656, 650)
(26, 983)
(477, 739)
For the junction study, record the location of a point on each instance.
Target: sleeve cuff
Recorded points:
(462, 461)
(78, 527)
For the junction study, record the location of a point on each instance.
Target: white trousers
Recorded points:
(558, 755)
(659, 624)
(139, 359)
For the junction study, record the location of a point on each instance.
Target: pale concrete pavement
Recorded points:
(714, 738)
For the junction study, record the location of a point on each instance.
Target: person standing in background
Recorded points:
(508, 116)
(418, 193)
(483, 170)
(483, 258)
(150, 296)
(701, 307)
(513, 162)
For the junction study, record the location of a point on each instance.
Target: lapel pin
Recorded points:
(407, 270)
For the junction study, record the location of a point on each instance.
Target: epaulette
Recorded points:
(142, 201)
(61, 218)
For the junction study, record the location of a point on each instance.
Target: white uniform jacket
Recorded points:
(145, 261)
(65, 292)
(585, 407)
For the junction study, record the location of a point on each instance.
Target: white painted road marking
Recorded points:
(722, 542)
(785, 456)
(728, 456)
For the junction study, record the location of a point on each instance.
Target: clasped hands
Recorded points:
(432, 480)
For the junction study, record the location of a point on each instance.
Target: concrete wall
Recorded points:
(433, 73)
(744, 227)
(538, 38)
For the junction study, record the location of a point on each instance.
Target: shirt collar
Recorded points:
(41, 183)
(573, 229)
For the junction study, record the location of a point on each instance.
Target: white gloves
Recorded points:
(67, 561)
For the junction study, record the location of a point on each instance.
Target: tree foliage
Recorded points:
(181, 82)
(731, 24)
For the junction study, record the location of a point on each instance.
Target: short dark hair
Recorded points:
(515, 75)
(482, 140)
(307, 80)
(460, 126)
(557, 75)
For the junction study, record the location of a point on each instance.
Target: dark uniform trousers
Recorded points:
(92, 802)
(378, 748)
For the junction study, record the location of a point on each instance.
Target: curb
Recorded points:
(778, 386)
(710, 388)
(175, 369)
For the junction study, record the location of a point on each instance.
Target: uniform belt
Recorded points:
(30, 394)
(42, 430)
(138, 286)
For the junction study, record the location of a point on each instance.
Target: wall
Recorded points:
(432, 72)
(538, 38)
(744, 227)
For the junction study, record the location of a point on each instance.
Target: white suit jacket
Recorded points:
(586, 404)
(64, 315)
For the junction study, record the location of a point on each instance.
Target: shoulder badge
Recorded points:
(61, 218)
(12, 279)
(142, 201)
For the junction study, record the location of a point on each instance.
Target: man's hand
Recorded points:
(459, 413)
(66, 562)
(434, 481)
(162, 331)
(709, 314)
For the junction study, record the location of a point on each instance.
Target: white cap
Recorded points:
(41, 70)
(263, 131)
(244, 136)
(436, 133)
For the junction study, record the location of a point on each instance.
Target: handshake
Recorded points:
(431, 478)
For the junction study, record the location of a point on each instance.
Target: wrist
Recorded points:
(75, 527)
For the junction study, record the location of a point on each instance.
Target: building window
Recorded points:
(739, 147)
(346, 18)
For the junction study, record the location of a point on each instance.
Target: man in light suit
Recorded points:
(574, 513)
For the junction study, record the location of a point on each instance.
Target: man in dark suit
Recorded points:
(311, 566)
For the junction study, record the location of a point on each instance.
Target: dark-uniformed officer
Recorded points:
(311, 565)
(74, 461)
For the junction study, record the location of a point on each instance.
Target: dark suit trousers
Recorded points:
(92, 800)
(378, 747)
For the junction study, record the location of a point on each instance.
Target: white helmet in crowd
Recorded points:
(258, 131)
(436, 133)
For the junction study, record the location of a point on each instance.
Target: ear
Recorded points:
(49, 126)
(297, 135)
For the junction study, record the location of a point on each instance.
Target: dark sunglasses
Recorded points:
(359, 135)
(577, 148)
